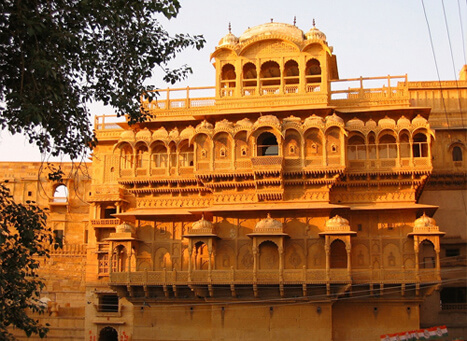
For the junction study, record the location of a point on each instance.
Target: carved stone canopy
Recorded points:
(268, 226)
(125, 228)
(338, 225)
(201, 228)
(425, 226)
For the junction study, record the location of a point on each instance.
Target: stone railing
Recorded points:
(104, 222)
(286, 276)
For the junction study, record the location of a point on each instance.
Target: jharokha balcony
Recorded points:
(265, 265)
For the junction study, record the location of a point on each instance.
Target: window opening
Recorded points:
(457, 154)
(267, 145)
(108, 303)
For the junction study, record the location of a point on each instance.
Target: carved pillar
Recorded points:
(190, 254)
(349, 266)
(233, 152)
(281, 258)
(428, 141)
(238, 78)
(210, 256)
(343, 150)
(411, 151)
(416, 249)
(327, 250)
(255, 259)
(302, 150)
(325, 151)
(282, 80)
(258, 74)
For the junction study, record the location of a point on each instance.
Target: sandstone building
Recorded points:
(283, 203)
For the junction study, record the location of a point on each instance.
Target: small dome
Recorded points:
(127, 135)
(313, 121)
(355, 123)
(270, 29)
(268, 120)
(268, 224)
(419, 121)
(337, 223)
(174, 133)
(370, 124)
(334, 119)
(424, 222)
(204, 125)
(187, 132)
(160, 134)
(144, 135)
(245, 123)
(403, 122)
(229, 39)
(315, 34)
(224, 125)
(292, 119)
(202, 224)
(387, 123)
(125, 228)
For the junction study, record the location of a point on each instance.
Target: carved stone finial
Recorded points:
(272, 19)
(230, 28)
(295, 20)
(314, 23)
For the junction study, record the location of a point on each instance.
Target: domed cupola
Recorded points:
(315, 34)
(144, 135)
(127, 135)
(229, 39)
(425, 225)
(125, 228)
(160, 134)
(269, 225)
(200, 228)
(338, 225)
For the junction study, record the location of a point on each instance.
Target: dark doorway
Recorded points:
(108, 334)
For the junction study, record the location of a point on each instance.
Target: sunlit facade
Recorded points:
(282, 202)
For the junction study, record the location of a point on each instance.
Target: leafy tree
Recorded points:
(23, 236)
(58, 55)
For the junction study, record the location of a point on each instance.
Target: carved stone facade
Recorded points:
(278, 207)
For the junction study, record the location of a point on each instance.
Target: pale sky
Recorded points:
(370, 38)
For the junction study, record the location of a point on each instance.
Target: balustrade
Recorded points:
(286, 276)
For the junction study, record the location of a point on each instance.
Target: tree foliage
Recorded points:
(58, 55)
(23, 236)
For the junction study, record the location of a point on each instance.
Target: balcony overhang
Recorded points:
(393, 206)
(150, 214)
(299, 206)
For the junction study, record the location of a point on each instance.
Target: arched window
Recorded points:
(356, 149)
(456, 154)
(270, 74)
(228, 75)
(159, 156)
(267, 145)
(142, 156)
(427, 255)
(313, 75)
(186, 156)
(61, 194)
(387, 147)
(126, 157)
(338, 254)
(404, 145)
(249, 75)
(291, 72)
(268, 256)
(420, 145)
